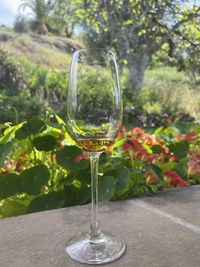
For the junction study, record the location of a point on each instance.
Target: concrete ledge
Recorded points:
(160, 231)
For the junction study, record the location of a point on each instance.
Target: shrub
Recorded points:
(20, 107)
(21, 25)
(50, 86)
(28, 90)
(11, 76)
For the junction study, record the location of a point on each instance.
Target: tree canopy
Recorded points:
(41, 9)
(137, 29)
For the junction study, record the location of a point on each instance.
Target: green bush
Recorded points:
(27, 90)
(11, 76)
(16, 102)
(50, 84)
(21, 25)
(20, 107)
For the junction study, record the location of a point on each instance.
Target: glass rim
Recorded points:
(90, 51)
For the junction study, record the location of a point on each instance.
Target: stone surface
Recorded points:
(159, 231)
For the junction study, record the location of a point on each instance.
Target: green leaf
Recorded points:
(84, 176)
(67, 136)
(157, 171)
(167, 166)
(181, 167)
(60, 120)
(179, 149)
(156, 149)
(10, 185)
(5, 150)
(76, 196)
(137, 177)
(118, 143)
(183, 127)
(8, 134)
(32, 126)
(53, 125)
(197, 129)
(138, 164)
(152, 188)
(45, 143)
(52, 200)
(158, 131)
(66, 158)
(172, 130)
(34, 178)
(107, 187)
(139, 189)
(12, 208)
(122, 176)
(128, 22)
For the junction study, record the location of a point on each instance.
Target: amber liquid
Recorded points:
(96, 145)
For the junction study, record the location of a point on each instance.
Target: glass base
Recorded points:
(108, 247)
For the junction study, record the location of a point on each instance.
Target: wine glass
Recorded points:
(94, 116)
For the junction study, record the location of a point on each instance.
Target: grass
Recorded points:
(166, 73)
(166, 89)
(166, 93)
(23, 46)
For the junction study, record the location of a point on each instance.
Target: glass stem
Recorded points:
(95, 231)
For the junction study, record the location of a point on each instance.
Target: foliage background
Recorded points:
(45, 170)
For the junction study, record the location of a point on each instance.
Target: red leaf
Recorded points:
(188, 137)
(174, 179)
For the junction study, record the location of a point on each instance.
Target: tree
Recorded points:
(189, 49)
(64, 15)
(21, 24)
(41, 9)
(137, 29)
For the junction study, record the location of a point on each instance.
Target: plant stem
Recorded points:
(34, 152)
(132, 161)
(35, 157)
(95, 231)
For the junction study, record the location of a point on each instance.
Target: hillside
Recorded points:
(45, 60)
(51, 51)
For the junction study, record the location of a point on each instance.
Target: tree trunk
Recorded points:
(42, 29)
(68, 33)
(136, 67)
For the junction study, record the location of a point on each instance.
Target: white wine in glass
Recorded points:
(94, 117)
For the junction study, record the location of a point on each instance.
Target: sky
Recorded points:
(9, 11)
